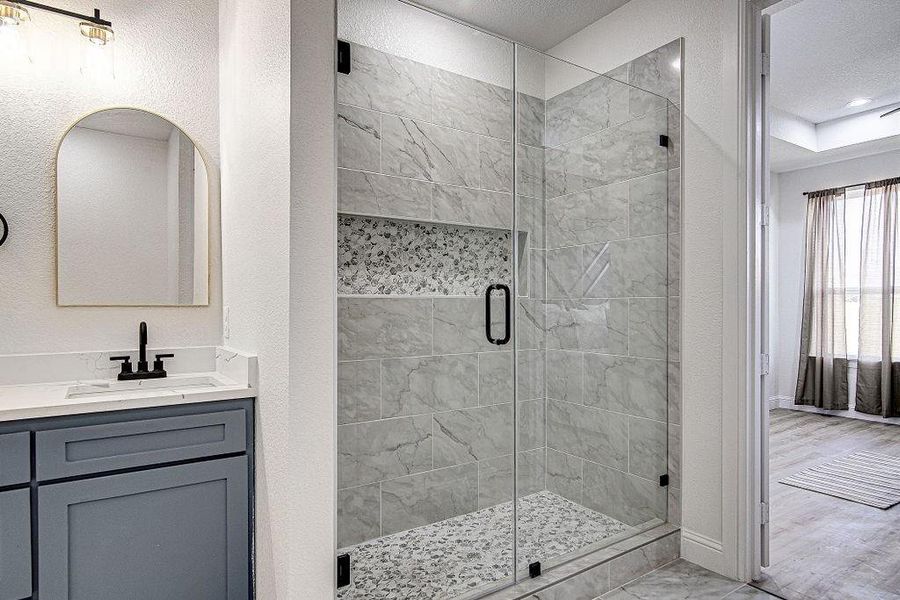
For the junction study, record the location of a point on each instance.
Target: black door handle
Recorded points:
(507, 312)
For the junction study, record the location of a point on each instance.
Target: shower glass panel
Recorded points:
(592, 350)
(426, 434)
(503, 306)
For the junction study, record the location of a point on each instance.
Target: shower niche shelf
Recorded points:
(387, 256)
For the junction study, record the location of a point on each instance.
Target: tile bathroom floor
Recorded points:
(681, 580)
(455, 557)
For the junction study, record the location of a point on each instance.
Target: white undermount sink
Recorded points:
(104, 388)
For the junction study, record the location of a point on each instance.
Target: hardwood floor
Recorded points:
(825, 548)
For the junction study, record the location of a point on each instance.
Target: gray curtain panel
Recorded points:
(822, 374)
(878, 382)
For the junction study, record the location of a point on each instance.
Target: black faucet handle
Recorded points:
(158, 363)
(126, 363)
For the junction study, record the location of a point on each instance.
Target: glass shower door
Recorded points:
(426, 412)
(592, 344)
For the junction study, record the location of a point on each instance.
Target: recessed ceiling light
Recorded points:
(858, 102)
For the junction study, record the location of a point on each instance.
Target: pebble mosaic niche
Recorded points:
(406, 258)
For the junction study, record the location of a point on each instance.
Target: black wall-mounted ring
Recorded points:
(5, 233)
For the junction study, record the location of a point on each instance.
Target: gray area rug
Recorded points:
(863, 477)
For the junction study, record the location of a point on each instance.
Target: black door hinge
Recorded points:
(343, 570)
(343, 57)
(664, 141)
(664, 480)
(534, 569)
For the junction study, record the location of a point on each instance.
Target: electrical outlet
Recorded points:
(226, 323)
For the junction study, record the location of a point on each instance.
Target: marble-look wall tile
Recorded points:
(674, 455)
(641, 102)
(495, 481)
(425, 498)
(394, 257)
(674, 124)
(495, 477)
(531, 471)
(536, 274)
(387, 83)
(565, 170)
(471, 105)
(634, 386)
(673, 508)
(595, 325)
(625, 268)
(495, 164)
(459, 325)
(647, 327)
(564, 375)
(423, 385)
(381, 195)
(564, 475)
(530, 416)
(585, 109)
(627, 498)
(589, 433)
(530, 373)
(640, 561)
(530, 323)
(359, 391)
(425, 151)
(530, 120)
(674, 394)
(626, 151)
(655, 71)
(475, 207)
(379, 450)
(594, 216)
(673, 189)
(674, 328)
(383, 327)
(674, 264)
(359, 138)
(462, 436)
(647, 204)
(530, 171)
(495, 378)
(647, 442)
(531, 220)
(358, 514)
(564, 272)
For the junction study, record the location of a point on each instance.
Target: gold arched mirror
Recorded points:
(132, 213)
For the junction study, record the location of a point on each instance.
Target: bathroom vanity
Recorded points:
(126, 490)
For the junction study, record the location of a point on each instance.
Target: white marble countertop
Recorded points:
(233, 379)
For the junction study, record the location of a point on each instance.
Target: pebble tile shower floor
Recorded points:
(457, 556)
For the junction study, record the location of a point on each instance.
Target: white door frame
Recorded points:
(754, 176)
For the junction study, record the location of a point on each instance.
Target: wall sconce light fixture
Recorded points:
(96, 32)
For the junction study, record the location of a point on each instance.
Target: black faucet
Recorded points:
(143, 372)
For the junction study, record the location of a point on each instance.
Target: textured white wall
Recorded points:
(710, 333)
(278, 219)
(157, 59)
(787, 271)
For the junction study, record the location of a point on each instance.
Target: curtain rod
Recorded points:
(851, 185)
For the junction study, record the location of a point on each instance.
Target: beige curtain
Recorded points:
(878, 382)
(822, 374)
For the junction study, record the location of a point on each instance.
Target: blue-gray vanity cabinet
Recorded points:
(173, 533)
(15, 544)
(15, 458)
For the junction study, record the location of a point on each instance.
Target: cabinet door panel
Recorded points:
(174, 533)
(15, 545)
(15, 458)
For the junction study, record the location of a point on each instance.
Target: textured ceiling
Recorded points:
(827, 52)
(538, 23)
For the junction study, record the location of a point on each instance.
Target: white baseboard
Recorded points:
(780, 402)
(704, 551)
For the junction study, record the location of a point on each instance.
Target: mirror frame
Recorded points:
(212, 180)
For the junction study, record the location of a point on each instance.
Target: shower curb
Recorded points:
(600, 571)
